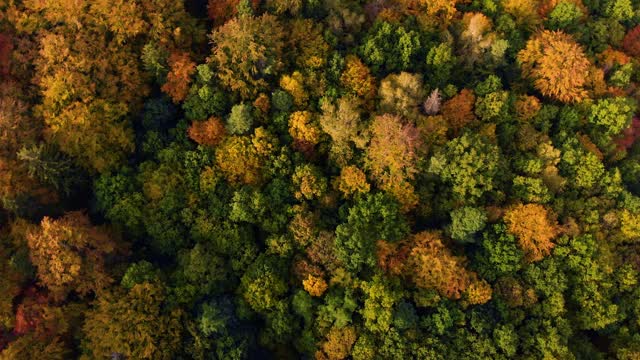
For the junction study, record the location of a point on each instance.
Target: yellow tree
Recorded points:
(557, 65)
(69, 254)
(247, 51)
(239, 161)
(534, 228)
(391, 157)
(523, 11)
(314, 285)
(357, 79)
(303, 126)
(338, 344)
(352, 181)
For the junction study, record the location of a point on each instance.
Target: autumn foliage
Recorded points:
(556, 64)
(534, 228)
(357, 78)
(430, 265)
(247, 51)
(631, 42)
(207, 133)
(69, 254)
(179, 78)
(458, 111)
(328, 179)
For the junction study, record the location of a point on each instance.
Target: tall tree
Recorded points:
(534, 228)
(70, 254)
(557, 65)
(132, 324)
(248, 53)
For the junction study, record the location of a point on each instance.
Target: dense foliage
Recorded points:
(328, 179)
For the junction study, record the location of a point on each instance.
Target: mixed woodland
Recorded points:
(319, 179)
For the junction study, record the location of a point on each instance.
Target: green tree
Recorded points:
(240, 120)
(389, 47)
(263, 285)
(466, 222)
(468, 165)
(374, 217)
(612, 115)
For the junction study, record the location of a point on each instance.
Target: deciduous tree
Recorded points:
(133, 324)
(631, 42)
(534, 228)
(468, 165)
(179, 76)
(357, 79)
(248, 52)
(556, 64)
(207, 133)
(69, 255)
(401, 94)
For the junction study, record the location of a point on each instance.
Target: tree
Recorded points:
(583, 167)
(619, 10)
(392, 157)
(425, 260)
(478, 43)
(380, 296)
(283, 6)
(523, 11)
(303, 126)
(30, 347)
(357, 79)
(500, 253)
(263, 285)
(612, 115)
(248, 52)
(179, 77)
(458, 111)
(69, 255)
(432, 104)
(390, 47)
(315, 286)
(465, 222)
(402, 95)
(339, 343)
(133, 324)
(373, 217)
(565, 15)
(46, 164)
(440, 62)
(239, 160)
(534, 228)
(631, 41)
(352, 181)
(308, 45)
(310, 182)
(222, 10)
(392, 154)
(468, 165)
(294, 85)
(207, 133)
(342, 121)
(240, 120)
(556, 64)
(527, 107)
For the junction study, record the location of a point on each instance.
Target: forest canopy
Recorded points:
(326, 179)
